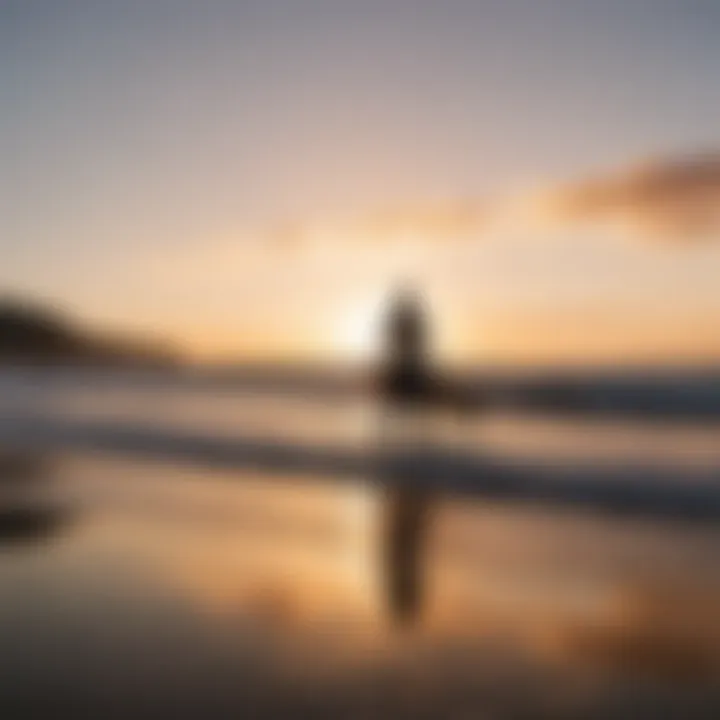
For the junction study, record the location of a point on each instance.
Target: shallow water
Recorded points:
(132, 588)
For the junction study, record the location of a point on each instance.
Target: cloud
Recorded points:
(673, 199)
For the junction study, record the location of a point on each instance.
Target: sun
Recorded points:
(359, 329)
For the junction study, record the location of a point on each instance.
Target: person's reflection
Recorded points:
(406, 392)
(405, 531)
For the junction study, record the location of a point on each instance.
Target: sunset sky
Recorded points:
(251, 178)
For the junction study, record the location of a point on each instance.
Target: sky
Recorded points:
(252, 179)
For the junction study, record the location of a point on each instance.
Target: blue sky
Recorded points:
(140, 136)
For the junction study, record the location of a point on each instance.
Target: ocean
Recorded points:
(135, 585)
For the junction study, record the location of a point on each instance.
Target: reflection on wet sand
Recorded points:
(656, 631)
(158, 604)
(406, 519)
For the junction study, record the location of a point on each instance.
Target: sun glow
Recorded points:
(359, 329)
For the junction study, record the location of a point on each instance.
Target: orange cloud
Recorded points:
(677, 199)
(674, 199)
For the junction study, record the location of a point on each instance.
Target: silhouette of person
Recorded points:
(405, 378)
